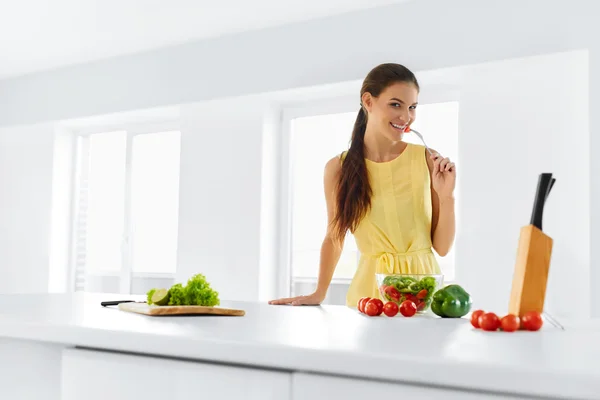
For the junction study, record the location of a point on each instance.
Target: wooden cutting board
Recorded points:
(153, 310)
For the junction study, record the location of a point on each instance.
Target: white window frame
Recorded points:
(125, 274)
(334, 105)
(315, 107)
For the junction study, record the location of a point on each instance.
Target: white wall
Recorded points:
(519, 118)
(60, 208)
(269, 275)
(594, 149)
(25, 203)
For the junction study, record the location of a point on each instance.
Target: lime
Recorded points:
(160, 297)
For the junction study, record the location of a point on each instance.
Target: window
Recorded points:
(314, 140)
(126, 205)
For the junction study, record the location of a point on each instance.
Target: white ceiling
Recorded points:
(43, 34)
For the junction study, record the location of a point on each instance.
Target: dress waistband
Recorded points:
(386, 259)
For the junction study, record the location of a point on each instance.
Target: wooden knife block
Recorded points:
(531, 271)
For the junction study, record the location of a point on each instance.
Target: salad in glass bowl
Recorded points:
(419, 288)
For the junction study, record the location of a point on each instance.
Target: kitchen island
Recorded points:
(67, 346)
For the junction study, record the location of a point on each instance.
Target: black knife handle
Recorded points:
(549, 188)
(115, 302)
(545, 183)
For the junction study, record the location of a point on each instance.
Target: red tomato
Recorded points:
(392, 292)
(390, 309)
(408, 308)
(489, 322)
(371, 309)
(532, 321)
(475, 318)
(361, 304)
(510, 323)
(379, 305)
(422, 294)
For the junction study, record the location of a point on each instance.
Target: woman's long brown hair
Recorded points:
(353, 199)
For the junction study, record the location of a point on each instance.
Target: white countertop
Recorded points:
(326, 339)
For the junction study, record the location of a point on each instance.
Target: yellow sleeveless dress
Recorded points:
(395, 235)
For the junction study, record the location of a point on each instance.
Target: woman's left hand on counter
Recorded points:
(311, 299)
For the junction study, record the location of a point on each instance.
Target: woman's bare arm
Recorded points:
(330, 249)
(443, 222)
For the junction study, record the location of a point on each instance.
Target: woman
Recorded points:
(396, 198)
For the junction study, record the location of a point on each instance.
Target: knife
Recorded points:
(545, 183)
(117, 302)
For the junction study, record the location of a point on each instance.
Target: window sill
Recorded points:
(103, 274)
(310, 279)
(117, 274)
(158, 275)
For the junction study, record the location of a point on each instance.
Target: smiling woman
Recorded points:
(395, 198)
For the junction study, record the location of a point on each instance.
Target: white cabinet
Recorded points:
(97, 375)
(321, 387)
(29, 370)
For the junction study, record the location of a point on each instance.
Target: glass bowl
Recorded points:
(419, 288)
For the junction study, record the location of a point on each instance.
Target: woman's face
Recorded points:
(393, 110)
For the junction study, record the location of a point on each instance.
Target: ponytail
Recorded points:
(353, 199)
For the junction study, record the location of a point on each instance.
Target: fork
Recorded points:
(422, 140)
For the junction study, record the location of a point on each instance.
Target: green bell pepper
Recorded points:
(451, 302)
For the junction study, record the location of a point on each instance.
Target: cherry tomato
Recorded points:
(390, 309)
(532, 321)
(422, 294)
(475, 318)
(408, 308)
(371, 309)
(361, 304)
(392, 292)
(379, 305)
(510, 323)
(489, 321)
